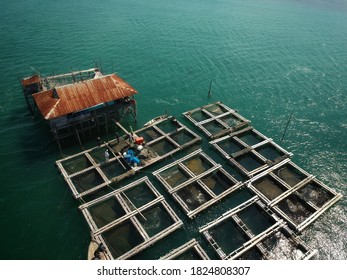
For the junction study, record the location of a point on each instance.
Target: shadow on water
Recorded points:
(34, 137)
(28, 135)
(36, 141)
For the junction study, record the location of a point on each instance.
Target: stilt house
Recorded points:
(75, 102)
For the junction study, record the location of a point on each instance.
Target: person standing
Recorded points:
(107, 156)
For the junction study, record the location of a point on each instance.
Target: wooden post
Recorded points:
(285, 130)
(82, 127)
(97, 123)
(58, 141)
(209, 90)
(81, 76)
(79, 139)
(28, 104)
(101, 70)
(73, 77)
(106, 123)
(89, 127)
(26, 98)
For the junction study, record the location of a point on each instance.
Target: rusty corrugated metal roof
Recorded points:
(71, 98)
(30, 80)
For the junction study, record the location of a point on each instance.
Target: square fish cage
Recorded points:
(216, 119)
(240, 229)
(191, 250)
(164, 138)
(293, 193)
(130, 219)
(89, 171)
(250, 151)
(196, 182)
(282, 244)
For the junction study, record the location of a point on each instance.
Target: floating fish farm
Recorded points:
(207, 186)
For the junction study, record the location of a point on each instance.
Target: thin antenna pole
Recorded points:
(101, 70)
(209, 89)
(73, 77)
(285, 130)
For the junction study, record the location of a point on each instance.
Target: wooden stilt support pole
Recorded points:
(73, 77)
(29, 106)
(97, 123)
(106, 117)
(26, 98)
(82, 127)
(58, 141)
(79, 139)
(89, 127)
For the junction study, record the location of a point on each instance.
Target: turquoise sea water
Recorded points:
(267, 59)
